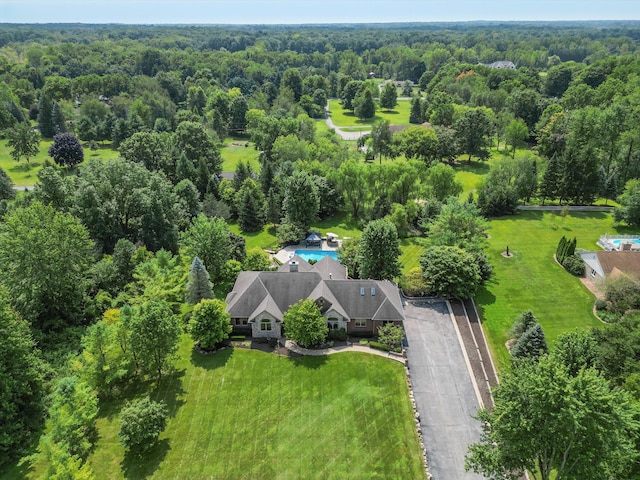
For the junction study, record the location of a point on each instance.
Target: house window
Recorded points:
(265, 324)
(241, 321)
(332, 323)
(593, 273)
(361, 323)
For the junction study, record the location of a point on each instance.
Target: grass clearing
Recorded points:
(412, 249)
(248, 414)
(234, 152)
(345, 118)
(531, 279)
(23, 175)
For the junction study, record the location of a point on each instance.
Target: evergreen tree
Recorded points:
(364, 106)
(550, 185)
(45, 109)
(522, 323)
(250, 206)
(58, 122)
(199, 286)
(531, 344)
(388, 96)
(243, 171)
(416, 111)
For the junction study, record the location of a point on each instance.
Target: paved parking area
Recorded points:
(443, 389)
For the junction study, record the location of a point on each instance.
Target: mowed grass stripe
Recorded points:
(247, 414)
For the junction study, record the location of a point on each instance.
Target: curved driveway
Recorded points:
(443, 389)
(341, 133)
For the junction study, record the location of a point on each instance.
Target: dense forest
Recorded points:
(101, 249)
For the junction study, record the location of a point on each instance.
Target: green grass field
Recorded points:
(254, 415)
(345, 118)
(412, 249)
(24, 175)
(531, 279)
(234, 152)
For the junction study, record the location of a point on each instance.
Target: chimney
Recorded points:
(293, 266)
(330, 275)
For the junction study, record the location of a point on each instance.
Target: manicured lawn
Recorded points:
(265, 239)
(24, 175)
(248, 414)
(234, 152)
(345, 118)
(412, 249)
(470, 175)
(532, 280)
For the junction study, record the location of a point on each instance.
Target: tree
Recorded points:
(629, 209)
(381, 139)
(21, 384)
(301, 200)
(515, 135)
(304, 324)
(150, 149)
(141, 423)
(250, 206)
(363, 105)
(155, 332)
(6, 186)
(192, 139)
(24, 141)
(44, 259)
(391, 335)
(379, 251)
(348, 256)
(415, 116)
(353, 184)
(257, 260)
(209, 324)
(459, 224)
(547, 421)
(45, 109)
(416, 142)
(237, 115)
(522, 323)
(450, 271)
(388, 96)
(474, 129)
(441, 182)
(531, 344)
(66, 150)
(208, 239)
(199, 286)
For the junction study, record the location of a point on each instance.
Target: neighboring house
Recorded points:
(259, 300)
(602, 265)
(502, 64)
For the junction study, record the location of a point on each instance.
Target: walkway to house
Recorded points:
(346, 348)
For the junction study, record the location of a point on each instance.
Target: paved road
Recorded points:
(341, 133)
(443, 390)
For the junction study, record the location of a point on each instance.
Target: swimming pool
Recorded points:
(316, 255)
(617, 241)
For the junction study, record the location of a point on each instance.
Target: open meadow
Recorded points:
(345, 118)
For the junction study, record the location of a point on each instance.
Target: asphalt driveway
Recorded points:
(443, 389)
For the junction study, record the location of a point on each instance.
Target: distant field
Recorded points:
(24, 175)
(234, 152)
(249, 414)
(345, 118)
(532, 280)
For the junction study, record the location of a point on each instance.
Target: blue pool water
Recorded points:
(307, 255)
(617, 241)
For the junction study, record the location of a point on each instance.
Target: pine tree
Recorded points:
(522, 323)
(416, 111)
(250, 205)
(184, 168)
(58, 122)
(550, 185)
(45, 109)
(531, 344)
(364, 106)
(199, 286)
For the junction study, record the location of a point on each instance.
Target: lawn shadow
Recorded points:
(309, 362)
(143, 465)
(484, 297)
(477, 167)
(211, 361)
(170, 391)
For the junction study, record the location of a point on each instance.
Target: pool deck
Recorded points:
(287, 252)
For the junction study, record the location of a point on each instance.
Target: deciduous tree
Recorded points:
(388, 96)
(450, 271)
(66, 150)
(209, 324)
(379, 251)
(141, 423)
(208, 239)
(23, 140)
(304, 324)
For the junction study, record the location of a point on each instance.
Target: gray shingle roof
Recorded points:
(274, 292)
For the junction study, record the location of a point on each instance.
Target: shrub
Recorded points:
(339, 334)
(574, 265)
(623, 293)
(601, 305)
(364, 341)
(391, 335)
(379, 346)
(142, 421)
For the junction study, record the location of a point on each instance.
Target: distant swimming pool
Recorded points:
(617, 241)
(316, 255)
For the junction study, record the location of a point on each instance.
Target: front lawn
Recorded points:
(249, 414)
(345, 118)
(530, 279)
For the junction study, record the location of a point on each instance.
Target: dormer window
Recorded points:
(362, 291)
(373, 292)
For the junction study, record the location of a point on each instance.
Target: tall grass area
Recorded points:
(26, 175)
(345, 118)
(249, 414)
(531, 279)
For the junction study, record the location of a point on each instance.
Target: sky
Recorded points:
(309, 11)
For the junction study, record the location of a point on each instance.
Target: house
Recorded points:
(601, 265)
(259, 300)
(502, 64)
